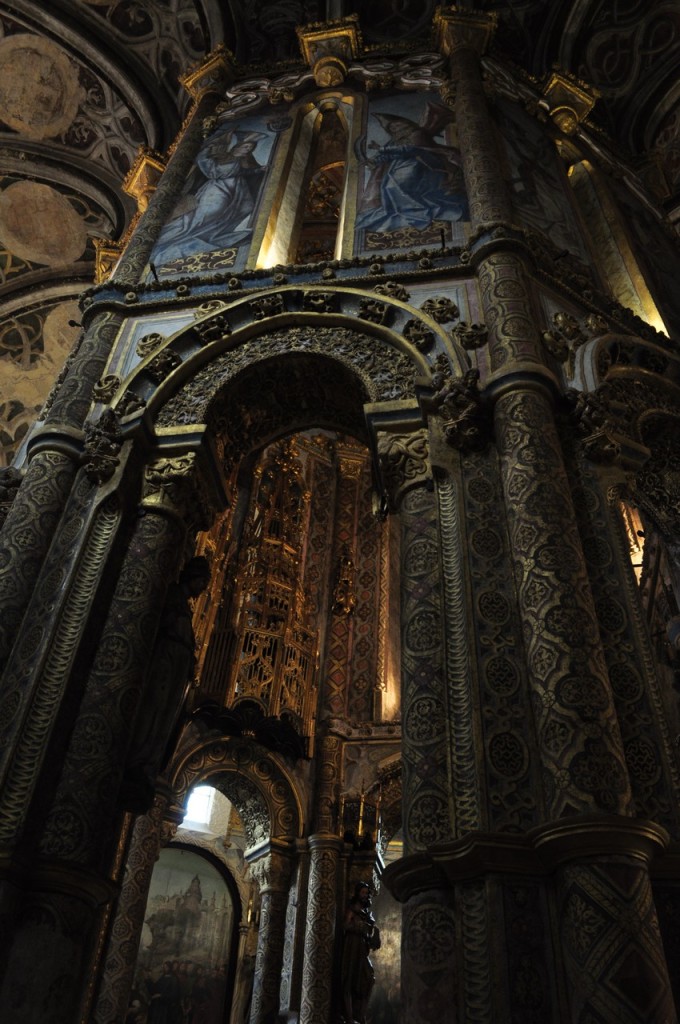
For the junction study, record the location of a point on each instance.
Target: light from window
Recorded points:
(199, 806)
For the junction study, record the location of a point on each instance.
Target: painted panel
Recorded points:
(182, 967)
(538, 183)
(212, 224)
(411, 191)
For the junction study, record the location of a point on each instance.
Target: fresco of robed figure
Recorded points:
(220, 198)
(412, 179)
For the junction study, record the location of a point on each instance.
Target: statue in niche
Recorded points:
(168, 681)
(414, 179)
(344, 596)
(218, 213)
(361, 936)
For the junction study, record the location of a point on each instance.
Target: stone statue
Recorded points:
(169, 677)
(360, 937)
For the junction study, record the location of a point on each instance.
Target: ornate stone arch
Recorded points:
(345, 358)
(381, 339)
(253, 779)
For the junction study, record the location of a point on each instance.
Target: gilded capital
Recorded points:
(328, 47)
(459, 29)
(568, 101)
(107, 254)
(142, 178)
(212, 75)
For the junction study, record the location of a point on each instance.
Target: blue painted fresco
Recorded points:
(412, 172)
(218, 208)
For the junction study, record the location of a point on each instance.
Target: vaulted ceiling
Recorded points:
(84, 83)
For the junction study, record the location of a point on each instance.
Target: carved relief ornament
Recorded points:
(175, 485)
(404, 461)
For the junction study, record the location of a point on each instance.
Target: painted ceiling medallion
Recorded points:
(39, 87)
(39, 224)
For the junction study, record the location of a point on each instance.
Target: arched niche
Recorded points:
(380, 349)
(254, 780)
(304, 148)
(189, 945)
(612, 354)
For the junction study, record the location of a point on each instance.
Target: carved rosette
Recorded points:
(428, 957)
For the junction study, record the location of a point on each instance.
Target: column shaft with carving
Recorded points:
(273, 873)
(82, 814)
(243, 977)
(161, 203)
(425, 776)
(78, 825)
(322, 893)
(25, 539)
(578, 741)
(572, 711)
(322, 902)
(126, 930)
(341, 625)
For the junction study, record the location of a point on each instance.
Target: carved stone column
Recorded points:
(54, 453)
(148, 835)
(80, 824)
(271, 868)
(425, 777)
(564, 654)
(427, 802)
(25, 536)
(240, 997)
(322, 902)
(322, 893)
(574, 716)
(615, 964)
(464, 36)
(296, 918)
